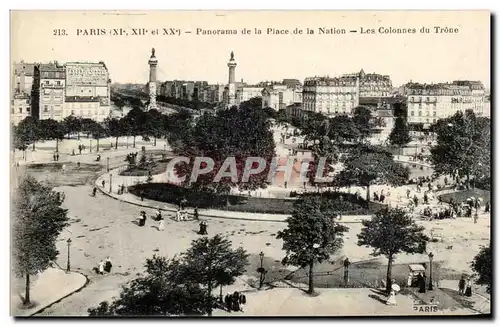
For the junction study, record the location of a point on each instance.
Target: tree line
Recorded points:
(149, 124)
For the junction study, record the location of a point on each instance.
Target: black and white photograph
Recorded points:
(250, 163)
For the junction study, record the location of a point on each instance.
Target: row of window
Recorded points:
(412, 113)
(427, 120)
(20, 110)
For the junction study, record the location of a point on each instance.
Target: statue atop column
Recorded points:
(153, 52)
(232, 55)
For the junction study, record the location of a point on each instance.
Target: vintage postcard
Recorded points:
(250, 163)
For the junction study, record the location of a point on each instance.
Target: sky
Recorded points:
(36, 36)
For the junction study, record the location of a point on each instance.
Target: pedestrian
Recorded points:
(142, 195)
(54, 157)
(415, 200)
(108, 265)
(445, 181)
(57, 156)
(161, 226)
(142, 218)
(375, 196)
(421, 283)
(94, 191)
(407, 193)
(196, 215)
(100, 267)
(487, 207)
(468, 288)
(103, 183)
(391, 301)
(178, 216)
(243, 301)
(426, 199)
(236, 301)
(461, 285)
(227, 302)
(203, 228)
(158, 215)
(382, 197)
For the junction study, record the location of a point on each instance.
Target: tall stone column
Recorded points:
(153, 62)
(232, 80)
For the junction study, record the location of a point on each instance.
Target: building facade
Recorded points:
(55, 91)
(192, 91)
(429, 102)
(88, 90)
(330, 96)
(23, 76)
(280, 96)
(340, 95)
(374, 85)
(52, 91)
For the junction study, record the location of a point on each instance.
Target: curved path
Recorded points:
(117, 179)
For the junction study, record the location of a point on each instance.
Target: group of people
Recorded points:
(56, 156)
(180, 216)
(235, 301)
(121, 189)
(465, 286)
(439, 214)
(131, 157)
(381, 197)
(104, 266)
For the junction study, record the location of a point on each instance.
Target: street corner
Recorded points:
(52, 285)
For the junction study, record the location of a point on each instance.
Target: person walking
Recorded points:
(94, 191)
(103, 183)
(142, 218)
(468, 288)
(100, 267)
(57, 157)
(196, 215)
(108, 265)
(408, 193)
(161, 226)
(178, 215)
(243, 301)
(461, 286)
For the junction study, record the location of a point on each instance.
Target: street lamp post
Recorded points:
(261, 270)
(431, 256)
(68, 266)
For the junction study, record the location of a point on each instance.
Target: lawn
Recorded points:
(345, 204)
(53, 175)
(461, 196)
(157, 167)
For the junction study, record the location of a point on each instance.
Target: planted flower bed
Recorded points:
(346, 204)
